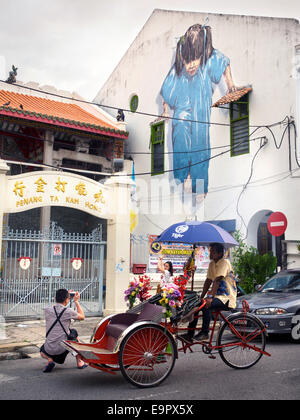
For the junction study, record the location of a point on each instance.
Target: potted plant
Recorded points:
(250, 267)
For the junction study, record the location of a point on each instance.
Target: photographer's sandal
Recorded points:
(49, 367)
(82, 367)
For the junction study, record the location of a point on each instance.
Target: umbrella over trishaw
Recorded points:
(196, 234)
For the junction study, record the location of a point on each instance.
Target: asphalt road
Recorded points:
(194, 377)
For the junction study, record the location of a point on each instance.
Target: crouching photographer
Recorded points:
(58, 320)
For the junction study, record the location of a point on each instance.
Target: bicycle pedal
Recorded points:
(211, 356)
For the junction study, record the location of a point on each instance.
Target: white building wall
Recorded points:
(262, 54)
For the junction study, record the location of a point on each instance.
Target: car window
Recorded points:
(294, 284)
(278, 283)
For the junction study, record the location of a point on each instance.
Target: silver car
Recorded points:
(277, 303)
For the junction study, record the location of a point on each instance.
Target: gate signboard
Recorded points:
(26, 289)
(51, 188)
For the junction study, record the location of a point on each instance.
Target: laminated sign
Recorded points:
(25, 262)
(177, 253)
(57, 250)
(76, 263)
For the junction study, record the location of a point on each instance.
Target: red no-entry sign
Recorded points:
(277, 223)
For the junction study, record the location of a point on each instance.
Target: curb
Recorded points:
(11, 347)
(15, 351)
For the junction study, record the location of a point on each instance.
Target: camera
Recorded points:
(72, 295)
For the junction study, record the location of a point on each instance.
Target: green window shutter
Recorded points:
(239, 126)
(134, 103)
(157, 148)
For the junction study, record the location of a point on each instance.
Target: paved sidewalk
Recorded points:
(23, 339)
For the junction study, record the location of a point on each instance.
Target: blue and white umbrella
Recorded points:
(198, 234)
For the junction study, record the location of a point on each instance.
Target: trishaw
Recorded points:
(144, 346)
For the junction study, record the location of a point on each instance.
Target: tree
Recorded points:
(250, 267)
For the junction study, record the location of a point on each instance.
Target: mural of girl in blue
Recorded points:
(188, 90)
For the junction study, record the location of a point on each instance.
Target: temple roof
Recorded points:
(59, 113)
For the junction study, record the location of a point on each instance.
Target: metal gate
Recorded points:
(56, 260)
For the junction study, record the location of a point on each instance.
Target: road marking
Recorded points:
(6, 378)
(287, 371)
(154, 395)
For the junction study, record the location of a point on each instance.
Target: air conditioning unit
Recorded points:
(118, 165)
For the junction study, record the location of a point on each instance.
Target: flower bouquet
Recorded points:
(181, 282)
(138, 288)
(170, 298)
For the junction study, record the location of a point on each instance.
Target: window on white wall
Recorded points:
(239, 126)
(157, 148)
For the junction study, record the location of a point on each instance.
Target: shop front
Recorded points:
(34, 263)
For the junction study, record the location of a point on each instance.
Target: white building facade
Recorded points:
(235, 163)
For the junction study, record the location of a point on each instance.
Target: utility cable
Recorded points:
(68, 144)
(245, 186)
(124, 110)
(137, 174)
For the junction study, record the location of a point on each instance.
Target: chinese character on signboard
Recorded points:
(19, 188)
(60, 185)
(80, 188)
(40, 185)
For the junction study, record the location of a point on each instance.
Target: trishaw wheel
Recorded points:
(147, 355)
(242, 341)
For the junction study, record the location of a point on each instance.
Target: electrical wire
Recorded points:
(61, 168)
(268, 127)
(245, 186)
(295, 138)
(137, 174)
(123, 109)
(68, 144)
(252, 184)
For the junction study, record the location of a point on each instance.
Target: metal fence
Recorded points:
(51, 252)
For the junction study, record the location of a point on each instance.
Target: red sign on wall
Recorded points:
(277, 223)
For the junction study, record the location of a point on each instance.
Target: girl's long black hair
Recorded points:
(170, 267)
(191, 46)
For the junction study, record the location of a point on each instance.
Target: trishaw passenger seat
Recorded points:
(121, 322)
(150, 312)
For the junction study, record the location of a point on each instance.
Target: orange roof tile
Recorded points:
(232, 97)
(54, 112)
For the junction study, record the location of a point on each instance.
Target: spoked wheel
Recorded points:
(147, 355)
(242, 342)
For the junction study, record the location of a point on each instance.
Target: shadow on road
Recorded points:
(281, 339)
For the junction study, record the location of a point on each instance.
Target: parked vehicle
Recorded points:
(277, 302)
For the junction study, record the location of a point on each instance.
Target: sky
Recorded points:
(75, 45)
